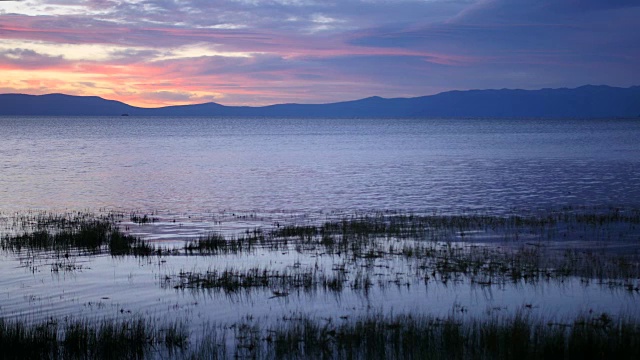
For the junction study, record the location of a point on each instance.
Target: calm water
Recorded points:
(188, 169)
(197, 165)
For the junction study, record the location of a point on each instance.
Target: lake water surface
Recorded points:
(194, 165)
(197, 175)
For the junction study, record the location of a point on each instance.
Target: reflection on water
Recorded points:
(195, 165)
(197, 176)
(555, 266)
(102, 286)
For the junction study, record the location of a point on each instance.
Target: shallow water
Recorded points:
(101, 286)
(197, 176)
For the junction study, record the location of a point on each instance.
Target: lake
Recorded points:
(306, 209)
(194, 165)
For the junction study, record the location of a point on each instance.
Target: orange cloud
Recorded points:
(258, 53)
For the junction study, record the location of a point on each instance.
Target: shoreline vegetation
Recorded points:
(603, 245)
(374, 336)
(600, 246)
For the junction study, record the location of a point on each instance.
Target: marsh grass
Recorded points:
(120, 244)
(520, 248)
(372, 336)
(426, 337)
(89, 235)
(218, 244)
(363, 262)
(126, 339)
(281, 283)
(142, 219)
(354, 254)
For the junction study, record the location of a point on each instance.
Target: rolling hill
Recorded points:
(583, 102)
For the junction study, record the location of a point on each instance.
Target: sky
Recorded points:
(251, 52)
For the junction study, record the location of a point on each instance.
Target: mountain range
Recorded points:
(583, 102)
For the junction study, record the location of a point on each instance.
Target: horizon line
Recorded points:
(326, 103)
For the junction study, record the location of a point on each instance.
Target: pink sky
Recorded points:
(155, 53)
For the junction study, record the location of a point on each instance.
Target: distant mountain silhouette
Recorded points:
(584, 102)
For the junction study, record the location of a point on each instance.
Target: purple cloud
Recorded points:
(255, 52)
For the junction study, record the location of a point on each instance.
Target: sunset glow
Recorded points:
(168, 52)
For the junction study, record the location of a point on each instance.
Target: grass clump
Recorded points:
(127, 339)
(142, 219)
(89, 235)
(20, 341)
(122, 244)
(371, 336)
(217, 244)
(280, 282)
(425, 337)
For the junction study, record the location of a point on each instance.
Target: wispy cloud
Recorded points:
(260, 52)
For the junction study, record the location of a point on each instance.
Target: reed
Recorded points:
(142, 219)
(218, 244)
(440, 246)
(426, 337)
(370, 336)
(93, 235)
(125, 339)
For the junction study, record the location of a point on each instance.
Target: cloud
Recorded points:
(255, 52)
(28, 59)
(590, 5)
(496, 30)
(174, 97)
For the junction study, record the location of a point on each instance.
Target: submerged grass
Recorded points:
(602, 245)
(442, 247)
(356, 253)
(218, 244)
(281, 283)
(436, 247)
